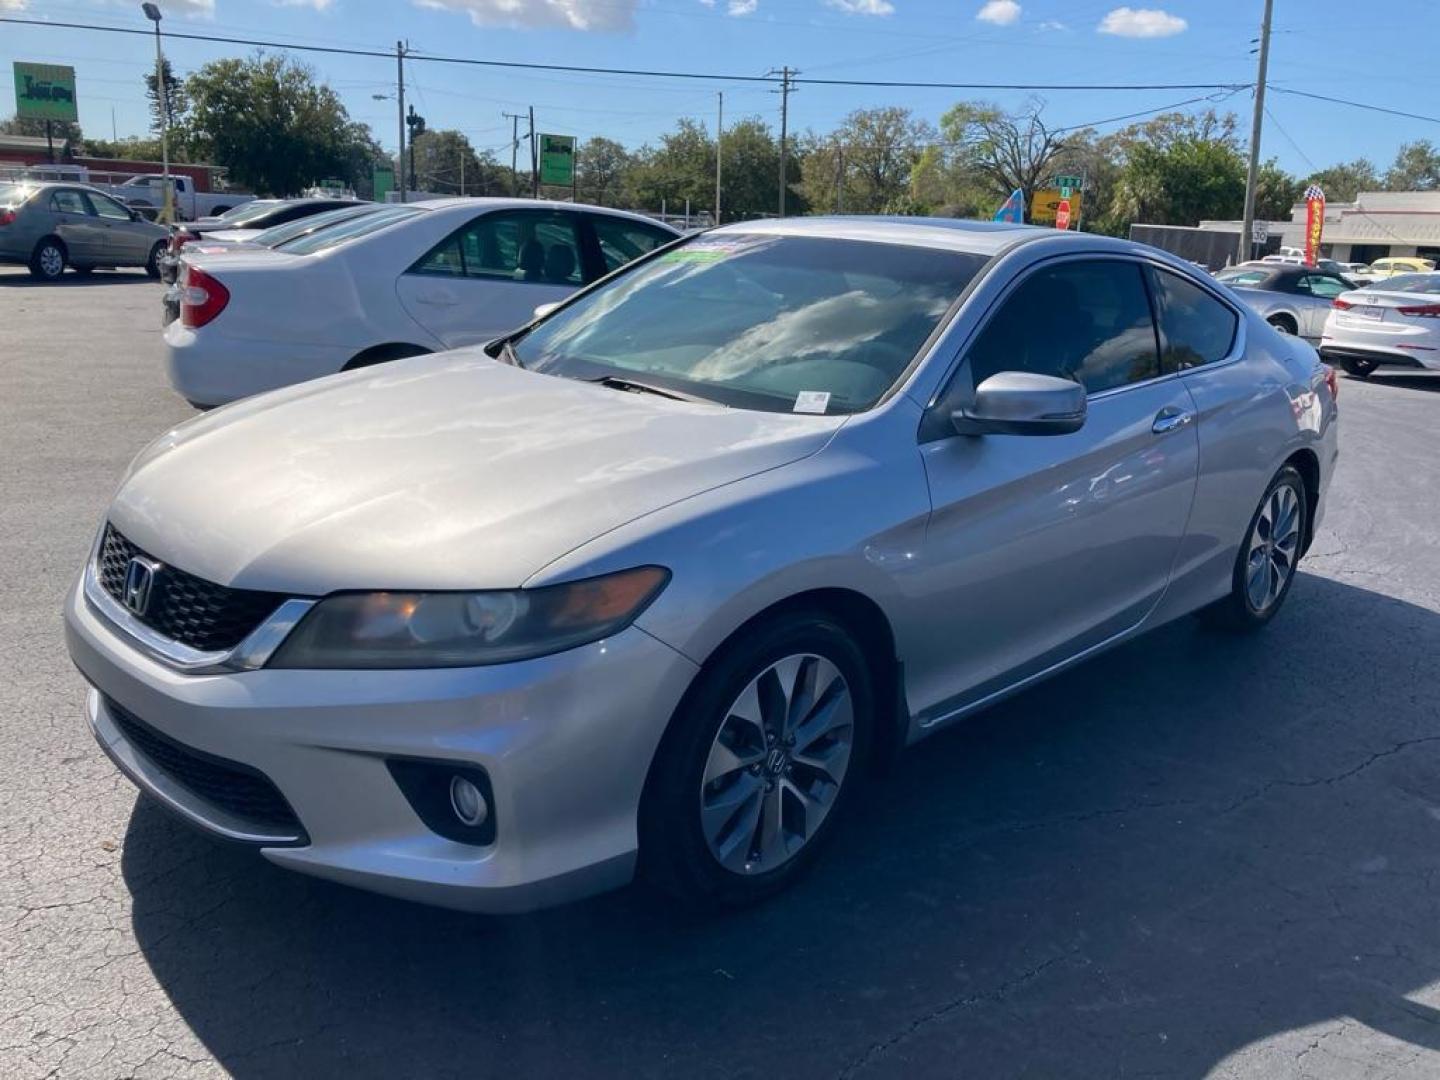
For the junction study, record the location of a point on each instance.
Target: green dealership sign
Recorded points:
(45, 92)
(557, 159)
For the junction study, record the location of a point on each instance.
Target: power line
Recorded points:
(337, 50)
(1357, 105)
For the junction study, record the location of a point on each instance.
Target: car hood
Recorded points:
(449, 471)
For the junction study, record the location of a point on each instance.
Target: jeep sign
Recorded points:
(45, 92)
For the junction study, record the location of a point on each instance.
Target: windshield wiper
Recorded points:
(634, 386)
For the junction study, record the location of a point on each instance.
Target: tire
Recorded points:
(47, 261)
(686, 823)
(383, 354)
(152, 262)
(1240, 611)
(1283, 324)
(1359, 369)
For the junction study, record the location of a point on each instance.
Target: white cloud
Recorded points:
(708, 3)
(548, 14)
(12, 5)
(862, 7)
(1142, 23)
(999, 12)
(740, 8)
(318, 5)
(1052, 25)
(188, 7)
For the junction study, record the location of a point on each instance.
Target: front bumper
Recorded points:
(565, 740)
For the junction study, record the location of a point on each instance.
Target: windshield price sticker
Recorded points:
(811, 401)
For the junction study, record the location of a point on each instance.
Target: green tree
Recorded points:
(133, 148)
(444, 161)
(175, 97)
(865, 165)
(602, 169)
(1343, 182)
(1003, 151)
(1276, 192)
(1416, 168)
(1190, 180)
(62, 131)
(277, 131)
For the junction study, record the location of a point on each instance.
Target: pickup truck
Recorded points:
(148, 191)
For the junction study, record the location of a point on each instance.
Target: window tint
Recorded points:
(1327, 288)
(621, 240)
(1195, 327)
(516, 245)
(108, 208)
(69, 202)
(1086, 321)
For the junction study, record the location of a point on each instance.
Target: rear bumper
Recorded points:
(208, 368)
(1339, 354)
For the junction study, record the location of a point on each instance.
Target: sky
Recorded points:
(1319, 46)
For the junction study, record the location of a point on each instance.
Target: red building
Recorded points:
(25, 150)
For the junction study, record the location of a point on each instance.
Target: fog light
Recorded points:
(468, 802)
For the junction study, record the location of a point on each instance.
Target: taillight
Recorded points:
(1332, 382)
(1423, 311)
(202, 297)
(7, 217)
(1341, 305)
(180, 237)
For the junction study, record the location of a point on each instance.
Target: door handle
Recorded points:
(1171, 419)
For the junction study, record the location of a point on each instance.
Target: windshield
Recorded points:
(280, 234)
(776, 323)
(1410, 283)
(350, 229)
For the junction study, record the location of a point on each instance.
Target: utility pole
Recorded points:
(162, 97)
(514, 119)
(719, 149)
(534, 162)
(786, 75)
(1247, 229)
(839, 177)
(400, 99)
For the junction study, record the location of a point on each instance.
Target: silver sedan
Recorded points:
(51, 226)
(1291, 297)
(651, 584)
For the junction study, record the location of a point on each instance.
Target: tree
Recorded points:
(865, 165)
(62, 131)
(130, 149)
(1276, 192)
(1416, 168)
(443, 160)
(602, 167)
(1343, 182)
(175, 97)
(1005, 150)
(1190, 180)
(275, 129)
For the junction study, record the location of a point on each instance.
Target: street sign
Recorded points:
(1062, 214)
(382, 177)
(1069, 182)
(1066, 191)
(1259, 232)
(557, 159)
(44, 92)
(1046, 202)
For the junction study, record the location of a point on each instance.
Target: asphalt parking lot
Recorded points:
(1196, 856)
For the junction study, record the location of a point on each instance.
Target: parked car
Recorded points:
(1384, 268)
(243, 224)
(274, 237)
(147, 191)
(1293, 299)
(408, 279)
(1395, 322)
(656, 584)
(48, 227)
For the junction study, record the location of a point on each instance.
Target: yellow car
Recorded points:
(1383, 268)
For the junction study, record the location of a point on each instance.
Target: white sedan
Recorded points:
(1395, 322)
(404, 280)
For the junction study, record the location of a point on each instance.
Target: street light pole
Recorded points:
(400, 99)
(162, 98)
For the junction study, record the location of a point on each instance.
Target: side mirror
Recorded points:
(1022, 403)
(545, 309)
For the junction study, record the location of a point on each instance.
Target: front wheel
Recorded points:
(760, 760)
(1284, 325)
(1265, 566)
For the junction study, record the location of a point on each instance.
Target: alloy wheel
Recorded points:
(1274, 547)
(52, 263)
(777, 764)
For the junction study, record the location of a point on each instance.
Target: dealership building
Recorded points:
(1376, 225)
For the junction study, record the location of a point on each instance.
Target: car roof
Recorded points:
(461, 202)
(952, 234)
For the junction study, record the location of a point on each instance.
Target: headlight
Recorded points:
(463, 629)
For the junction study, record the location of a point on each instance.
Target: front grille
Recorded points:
(183, 607)
(237, 789)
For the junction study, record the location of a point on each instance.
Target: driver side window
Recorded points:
(1087, 321)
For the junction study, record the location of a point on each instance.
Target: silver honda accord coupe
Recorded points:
(652, 585)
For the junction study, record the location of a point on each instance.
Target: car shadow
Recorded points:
(1427, 381)
(1142, 866)
(71, 280)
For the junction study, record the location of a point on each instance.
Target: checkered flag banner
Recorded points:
(1314, 191)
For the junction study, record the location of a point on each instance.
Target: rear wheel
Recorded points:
(47, 261)
(152, 261)
(1360, 369)
(1265, 566)
(1284, 324)
(760, 761)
